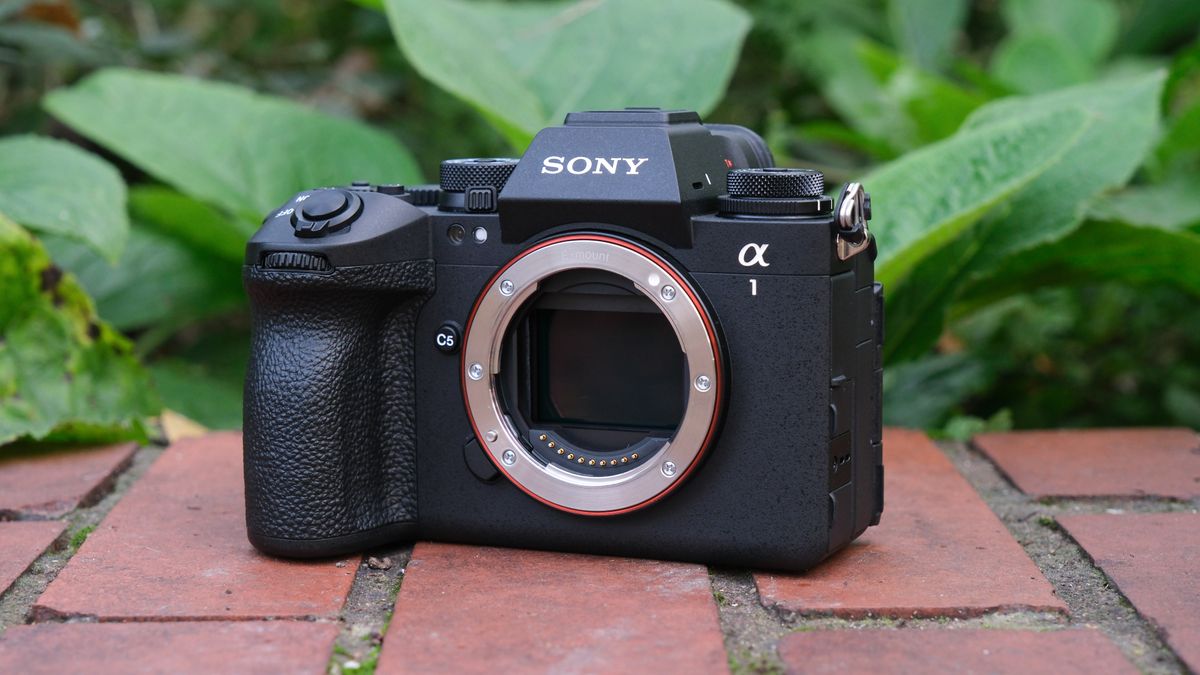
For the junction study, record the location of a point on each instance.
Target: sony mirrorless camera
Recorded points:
(640, 339)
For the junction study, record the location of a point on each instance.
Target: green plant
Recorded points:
(1034, 168)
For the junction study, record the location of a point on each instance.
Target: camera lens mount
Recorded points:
(663, 465)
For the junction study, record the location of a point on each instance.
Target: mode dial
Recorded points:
(473, 184)
(775, 192)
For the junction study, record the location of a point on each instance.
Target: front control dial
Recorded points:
(473, 185)
(322, 212)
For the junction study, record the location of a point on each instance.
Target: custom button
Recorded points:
(324, 204)
(448, 338)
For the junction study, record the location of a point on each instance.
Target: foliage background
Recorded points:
(1035, 168)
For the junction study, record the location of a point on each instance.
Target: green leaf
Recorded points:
(1088, 26)
(223, 144)
(1180, 144)
(203, 380)
(60, 367)
(1037, 63)
(51, 186)
(1155, 25)
(1099, 250)
(195, 392)
(1122, 116)
(1173, 205)
(918, 303)
(883, 96)
(1054, 44)
(923, 393)
(194, 224)
(926, 29)
(1125, 122)
(931, 195)
(160, 282)
(525, 64)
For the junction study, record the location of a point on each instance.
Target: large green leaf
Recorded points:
(926, 272)
(223, 144)
(1054, 44)
(922, 393)
(881, 95)
(194, 224)
(526, 64)
(1173, 205)
(61, 368)
(1100, 250)
(51, 186)
(929, 196)
(926, 29)
(192, 390)
(160, 282)
(1125, 122)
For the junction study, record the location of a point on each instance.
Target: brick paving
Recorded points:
(955, 590)
(938, 552)
(502, 610)
(1152, 558)
(176, 547)
(42, 484)
(1055, 652)
(1099, 462)
(21, 543)
(175, 647)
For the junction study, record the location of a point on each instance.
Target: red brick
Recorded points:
(175, 546)
(1099, 462)
(938, 551)
(1151, 557)
(54, 483)
(176, 647)
(21, 543)
(1058, 652)
(470, 609)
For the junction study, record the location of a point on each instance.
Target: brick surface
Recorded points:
(938, 551)
(21, 543)
(1059, 652)
(470, 609)
(1099, 462)
(176, 647)
(53, 483)
(175, 546)
(1151, 557)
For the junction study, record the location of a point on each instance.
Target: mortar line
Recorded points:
(1090, 597)
(368, 609)
(16, 603)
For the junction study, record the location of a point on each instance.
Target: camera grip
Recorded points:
(330, 408)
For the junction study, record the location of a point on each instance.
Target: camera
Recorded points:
(640, 339)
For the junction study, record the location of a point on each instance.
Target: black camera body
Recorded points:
(640, 339)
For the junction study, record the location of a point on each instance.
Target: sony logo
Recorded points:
(593, 165)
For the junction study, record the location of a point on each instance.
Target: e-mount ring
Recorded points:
(483, 341)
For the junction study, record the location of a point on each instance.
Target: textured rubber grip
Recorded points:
(330, 410)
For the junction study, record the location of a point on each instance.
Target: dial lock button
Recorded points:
(324, 204)
(322, 212)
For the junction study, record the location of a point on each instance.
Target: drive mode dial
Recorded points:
(775, 192)
(322, 212)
